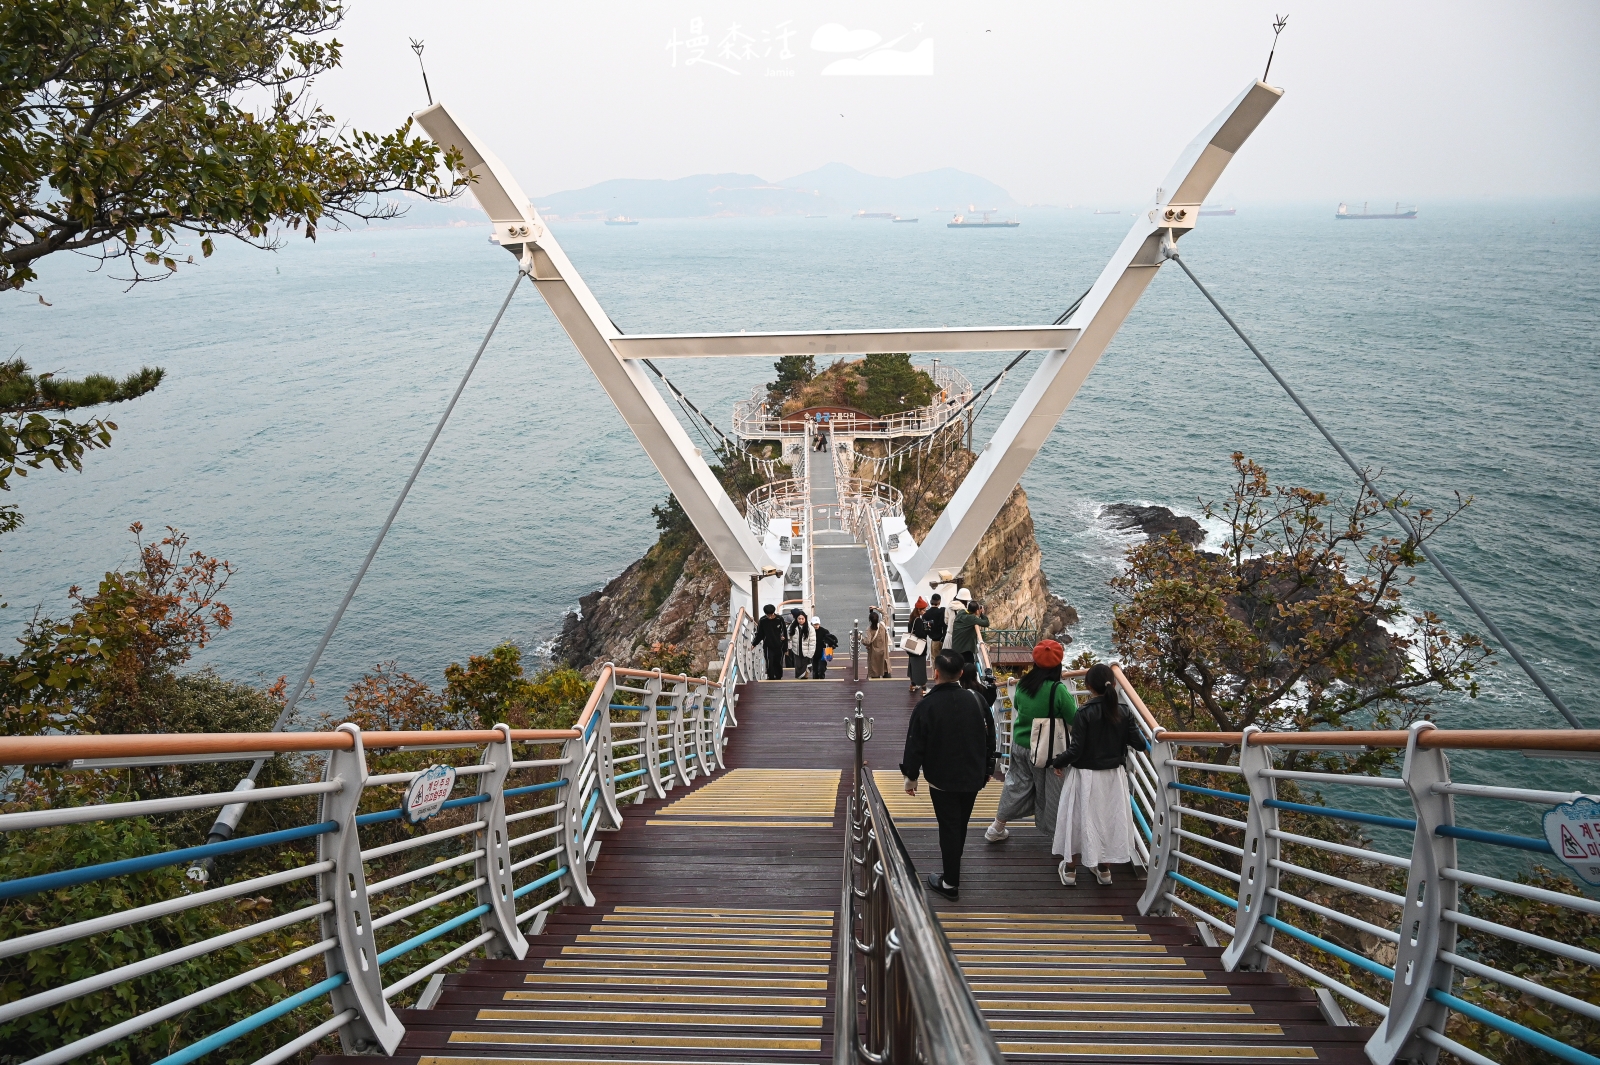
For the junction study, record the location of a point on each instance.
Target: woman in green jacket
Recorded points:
(1033, 789)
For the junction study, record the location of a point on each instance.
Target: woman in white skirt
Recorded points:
(1095, 818)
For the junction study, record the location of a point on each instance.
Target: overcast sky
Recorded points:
(1059, 102)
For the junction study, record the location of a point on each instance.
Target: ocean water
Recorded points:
(1458, 352)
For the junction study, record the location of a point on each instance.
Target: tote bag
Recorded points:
(911, 645)
(1049, 736)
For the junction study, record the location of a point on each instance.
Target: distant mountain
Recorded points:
(947, 189)
(833, 189)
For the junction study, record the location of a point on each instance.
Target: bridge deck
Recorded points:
(712, 935)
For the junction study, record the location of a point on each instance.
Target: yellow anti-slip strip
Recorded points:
(1035, 1024)
(642, 1039)
(1096, 989)
(730, 924)
(685, 823)
(1013, 1005)
(975, 915)
(663, 950)
(1074, 973)
(613, 981)
(719, 1020)
(652, 965)
(434, 1059)
(627, 998)
(723, 911)
(725, 937)
(1149, 1051)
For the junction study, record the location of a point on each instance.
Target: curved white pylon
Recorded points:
(1030, 421)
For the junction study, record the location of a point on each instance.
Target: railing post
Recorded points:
(680, 763)
(1257, 875)
(1423, 930)
(494, 865)
(855, 650)
(610, 815)
(721, 698)
(902, 1018)
(571, 814)
(705, 728)
(375, 1025)
(879, 923)
(1164, 842)
(650, 747)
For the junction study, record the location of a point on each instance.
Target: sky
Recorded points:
(1059, 102)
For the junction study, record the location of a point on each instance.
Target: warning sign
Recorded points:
(1573, 831)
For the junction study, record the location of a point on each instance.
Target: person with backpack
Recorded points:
(950, 741)
(772, 636)
(824, 641)
(1044, 708)
(964, 630)
(1095, 818)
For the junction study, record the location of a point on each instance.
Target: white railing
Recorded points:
(780, 503)
(388, 898)
(755, 419)
(1220, 851)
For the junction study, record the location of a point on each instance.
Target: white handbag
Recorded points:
(1049, 735)
(911, 645)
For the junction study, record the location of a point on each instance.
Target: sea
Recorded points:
(1457, 353)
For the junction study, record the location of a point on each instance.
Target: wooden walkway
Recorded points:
(712, 935)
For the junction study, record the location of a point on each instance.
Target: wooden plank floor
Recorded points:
(711, 939)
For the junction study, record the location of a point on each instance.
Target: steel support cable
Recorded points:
(225, 824)
(1170, 251)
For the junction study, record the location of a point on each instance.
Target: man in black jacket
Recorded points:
(938, 625)
(772, 636)
(951, 741)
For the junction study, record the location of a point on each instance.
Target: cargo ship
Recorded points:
(1344, 213)
(897, 218)
(873, 214)
(622, 220)
(963, 222)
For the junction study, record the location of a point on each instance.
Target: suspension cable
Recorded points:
(689, 403)
(228, 818)
(1170, 251)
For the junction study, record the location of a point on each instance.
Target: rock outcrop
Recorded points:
(1154, 522)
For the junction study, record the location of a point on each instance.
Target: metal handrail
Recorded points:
(919, 1006)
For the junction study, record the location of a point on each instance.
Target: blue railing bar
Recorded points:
(1215, 896)
(626, 706)
(1343, 815)
(630, 776)
(548, 878)
(1527, 987)
(87, 874)
(1213, 792)
(431, 934)
(594, 804)
(590, 727)
(395, 815)
(221, 1039)
(1359, 961)
(1138, 818)
(1499, 839)
(669, 761)
(529, 789)
(1512, 1028)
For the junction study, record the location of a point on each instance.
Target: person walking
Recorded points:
(771, 635)
(917, 664)
(1095, 819)
(877, 645)
(1046, 706)
(964, 631)
(822, 641)
(800, 645)
(938, 627)
(951, 742)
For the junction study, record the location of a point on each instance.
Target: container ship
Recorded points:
(1344, 213)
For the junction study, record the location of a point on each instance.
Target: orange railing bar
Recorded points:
(1133, 697)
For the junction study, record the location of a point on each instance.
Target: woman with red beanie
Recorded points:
(1044, 706)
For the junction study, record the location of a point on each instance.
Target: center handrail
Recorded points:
(919, 1006)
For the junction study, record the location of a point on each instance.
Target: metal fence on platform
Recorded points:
(386, 903)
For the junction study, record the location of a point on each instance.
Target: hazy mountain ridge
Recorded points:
(834, 189)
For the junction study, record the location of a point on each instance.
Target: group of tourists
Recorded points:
(795, 642)
(1066, 764)
(931, 622)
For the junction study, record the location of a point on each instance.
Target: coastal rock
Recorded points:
(1154, 522)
